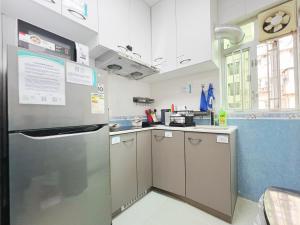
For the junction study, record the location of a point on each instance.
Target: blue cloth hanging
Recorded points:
(210, 97)
(203, 102)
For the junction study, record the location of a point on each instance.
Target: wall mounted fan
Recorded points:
(277, 21)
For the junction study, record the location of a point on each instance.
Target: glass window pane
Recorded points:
(276, 74)
(262, 73)
(238, 80)
(287, 76)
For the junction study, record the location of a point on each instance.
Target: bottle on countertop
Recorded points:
(222, 118)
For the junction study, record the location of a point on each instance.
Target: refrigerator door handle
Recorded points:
(56, 136)
(62, 134)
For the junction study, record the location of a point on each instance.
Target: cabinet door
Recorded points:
(208, 171)
(144, 161)
(193, 32)
(54, 5)
(140, 30)
(168, 161)
(164, 35)
(123, 169)
(84, 12)
(114, 24)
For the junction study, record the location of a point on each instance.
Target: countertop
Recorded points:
(200, 129)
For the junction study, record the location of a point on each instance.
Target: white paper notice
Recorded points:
(97, 103)
(80, 74)
(41, 79)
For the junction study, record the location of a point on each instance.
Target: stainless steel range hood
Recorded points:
(124, 65)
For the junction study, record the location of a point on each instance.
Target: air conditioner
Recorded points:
(277, 21)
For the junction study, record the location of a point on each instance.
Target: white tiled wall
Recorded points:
(173, 91)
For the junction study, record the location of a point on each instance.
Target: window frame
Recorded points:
(252, 46)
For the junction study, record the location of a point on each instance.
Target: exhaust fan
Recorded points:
(277, 21)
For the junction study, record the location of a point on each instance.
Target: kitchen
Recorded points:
(219, 145)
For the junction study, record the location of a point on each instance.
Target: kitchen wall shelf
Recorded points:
(143, 100)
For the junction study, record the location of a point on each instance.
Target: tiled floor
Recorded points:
(157, 209)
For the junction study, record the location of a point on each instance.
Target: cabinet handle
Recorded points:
(51, 1)
(185, 61)
(194, 141)
(137, 54)
(158, 59)
(76, 14)
(159, 138)
(129, 140)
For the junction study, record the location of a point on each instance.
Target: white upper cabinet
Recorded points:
(125, 23)
(84, 12)
(140, 31)
(182, 36)
(194, 42)
(54, 5)
(114, 24)
(164, 35)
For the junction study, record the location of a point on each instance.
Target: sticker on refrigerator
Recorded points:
(41, 79)
(97, 103)
(82, 53)
(78, 74)
(100, 88)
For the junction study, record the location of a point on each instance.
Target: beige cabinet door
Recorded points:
(123, 169)
(144, 161)
(168, 161)
(208, 171)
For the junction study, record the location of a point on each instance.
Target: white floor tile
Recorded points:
(158, 209)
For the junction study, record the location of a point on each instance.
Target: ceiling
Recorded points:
(151, 2)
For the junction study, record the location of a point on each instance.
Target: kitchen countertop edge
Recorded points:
(230, 130)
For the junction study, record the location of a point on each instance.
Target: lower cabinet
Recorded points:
(168, 161)
(144, 161)
(123, 169)
(210, 173)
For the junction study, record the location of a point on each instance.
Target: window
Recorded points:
(260, 76)
(276, 74)
(238, 80)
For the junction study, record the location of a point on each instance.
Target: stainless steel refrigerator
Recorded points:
(58, 141)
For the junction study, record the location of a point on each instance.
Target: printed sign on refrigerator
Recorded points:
(97, 103)
(41, 79)
(83, 75)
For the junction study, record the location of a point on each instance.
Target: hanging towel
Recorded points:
(210, 97)
(203, 102)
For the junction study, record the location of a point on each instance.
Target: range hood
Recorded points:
(124, 65)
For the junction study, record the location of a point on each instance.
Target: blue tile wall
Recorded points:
(268, 152)
(268, 155)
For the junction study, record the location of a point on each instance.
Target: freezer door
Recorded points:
(60, 179)
(78, 108)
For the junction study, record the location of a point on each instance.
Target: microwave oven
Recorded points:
(39, 40)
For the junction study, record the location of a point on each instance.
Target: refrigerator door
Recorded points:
(79, 107)
(60, 179)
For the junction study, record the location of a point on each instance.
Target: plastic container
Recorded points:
(222, 118)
